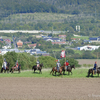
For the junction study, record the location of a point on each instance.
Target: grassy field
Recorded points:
(77, 73)
(31, 17)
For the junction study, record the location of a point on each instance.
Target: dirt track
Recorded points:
(49, 89)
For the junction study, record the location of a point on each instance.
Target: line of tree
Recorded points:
(27, 61)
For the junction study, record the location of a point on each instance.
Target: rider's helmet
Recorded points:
(95, 62)
(4, 59)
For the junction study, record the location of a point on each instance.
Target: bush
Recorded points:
(71, 61)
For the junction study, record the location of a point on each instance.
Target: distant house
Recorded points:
(62, 37)
(88, 47)
(75, 39)
(19, 43)
(7, 41)
(39, 52)
(61, 42)
(94, 39)
(52, 39)
(32, 45)
(87, 41)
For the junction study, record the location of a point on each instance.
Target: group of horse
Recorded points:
(11, 70)
(61, 70)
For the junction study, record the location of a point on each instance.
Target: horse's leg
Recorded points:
(55, 73)
(61, 73)
(71, 73)
(52, 72)
(92, 73)
(68, 73)
(5, 71)
(40, 71)
(34, 70)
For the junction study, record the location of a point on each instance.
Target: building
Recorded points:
(32, 45)
(88, 47)
(52, 39)
(94, 39)
(38, 52)
(62, 37)
(19, 43)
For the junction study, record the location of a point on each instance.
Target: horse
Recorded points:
(54, 69)
(15, 69)
(38, 68)
(69, 69)
(90, 71)
(7, 68)
(98, 71)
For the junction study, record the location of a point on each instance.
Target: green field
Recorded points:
(31, 17)
(77, 73)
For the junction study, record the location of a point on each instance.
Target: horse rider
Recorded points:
(66, 64)
(58, 65)
(16, 64)
(95, 68)
(38, 64)
(4, 64)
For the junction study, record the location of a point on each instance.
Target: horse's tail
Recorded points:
(51, 71)
(32, 67)
(1, 70)
(88, 72)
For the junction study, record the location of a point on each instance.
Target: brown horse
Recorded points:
(90, 71)
(15, 69)
(54, 69)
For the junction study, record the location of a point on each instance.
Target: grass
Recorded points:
(31, 17)
(81, 37)
(77, 73)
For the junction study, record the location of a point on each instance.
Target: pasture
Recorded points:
(34, 86)
(77, 73)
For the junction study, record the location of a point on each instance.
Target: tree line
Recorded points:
(27, 61)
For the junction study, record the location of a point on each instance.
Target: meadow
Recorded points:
(77, 73)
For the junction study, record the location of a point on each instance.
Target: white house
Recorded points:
(88, 47)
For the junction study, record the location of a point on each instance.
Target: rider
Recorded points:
(58, 65)
(66, 64)
(16, 65)
(4, 64)
(38, 63)
(95, 67)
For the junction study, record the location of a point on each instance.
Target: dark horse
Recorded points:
(90, 71)
(15, 69)
(39, 68)
(69, 69)
(54, 69)
(7, 68)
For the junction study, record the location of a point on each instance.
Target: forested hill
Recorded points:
(8, 7)
(76, 6)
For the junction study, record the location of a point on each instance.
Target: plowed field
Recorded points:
(49, 88)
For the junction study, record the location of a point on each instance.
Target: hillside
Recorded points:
(51, 14)
(76, 6)
(90, 7)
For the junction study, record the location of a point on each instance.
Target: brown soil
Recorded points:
(49, 88)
